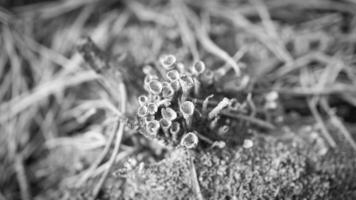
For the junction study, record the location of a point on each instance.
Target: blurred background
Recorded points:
(56, 119)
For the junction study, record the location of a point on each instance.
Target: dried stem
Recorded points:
(250, 119)
(210, 46)
(22, 178)
(194, 176)
(312, 106)
(118, 134)
(338, 123)
(97, 162)
(114, 83)
(186, 33)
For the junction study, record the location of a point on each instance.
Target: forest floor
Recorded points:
(68, 111)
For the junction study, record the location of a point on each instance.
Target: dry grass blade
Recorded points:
(22, 178)
(338, 123)
(312, 103)
(203, 36)
(186, 32)
(336, 88)
(42, 92)
(145, 14)
(250, 119)
(111, 161)
(241, 22)
(89, 172)
(194, 177)
(98, 62)
(223, 70)
(266, 18)
(303, 61)
(5, 16)
(51, 9)
(115, 85)
(350, 98)
(120, 157)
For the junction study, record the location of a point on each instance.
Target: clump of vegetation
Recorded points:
(183, 104)
(260, 168)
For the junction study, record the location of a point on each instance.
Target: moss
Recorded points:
(271, 169)
(168, 179)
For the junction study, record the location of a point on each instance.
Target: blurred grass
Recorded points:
(304, 50)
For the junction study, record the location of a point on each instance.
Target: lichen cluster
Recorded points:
(180, 108)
